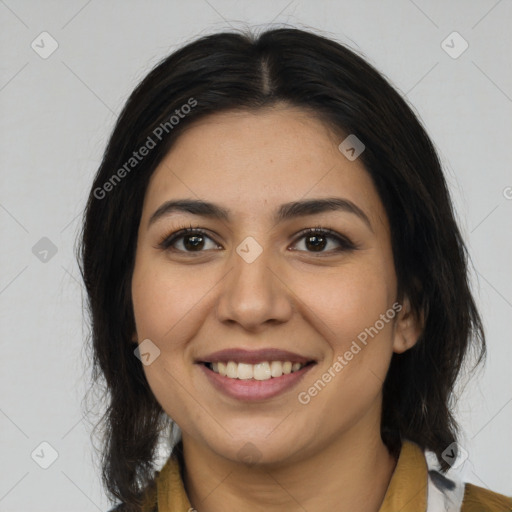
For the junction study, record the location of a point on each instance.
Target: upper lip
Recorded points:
(253, 356)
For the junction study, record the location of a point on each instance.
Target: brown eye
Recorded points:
(316, 242)
(193, 242)
(188, 240)
(318, 239)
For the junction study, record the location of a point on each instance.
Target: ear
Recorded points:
(408, 328)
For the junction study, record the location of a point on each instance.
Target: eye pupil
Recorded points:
(315, 245)
(193, 241)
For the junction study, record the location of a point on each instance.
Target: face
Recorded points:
(248, 287)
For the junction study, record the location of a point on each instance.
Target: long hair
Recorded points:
(240, 71)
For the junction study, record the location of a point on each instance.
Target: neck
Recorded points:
(351, 473)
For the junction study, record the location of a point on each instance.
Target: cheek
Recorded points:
(164, 300)
(353, 310)
(360, 319)
(164, 312)
(350, 300)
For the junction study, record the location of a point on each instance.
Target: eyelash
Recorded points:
(345, 244)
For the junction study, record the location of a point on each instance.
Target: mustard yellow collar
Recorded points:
(407, 489)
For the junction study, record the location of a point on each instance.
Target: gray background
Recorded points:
(57, 114)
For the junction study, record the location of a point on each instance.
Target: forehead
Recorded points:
(251, 162)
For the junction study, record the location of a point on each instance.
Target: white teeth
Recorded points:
(276, 369)
(232, 370)
(260, 371)
(287, 367)
(245, 371)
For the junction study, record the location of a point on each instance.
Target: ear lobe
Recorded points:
(408, 328)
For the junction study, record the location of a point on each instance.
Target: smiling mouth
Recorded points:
(264, 370)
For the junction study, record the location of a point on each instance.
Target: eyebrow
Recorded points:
(285, 212)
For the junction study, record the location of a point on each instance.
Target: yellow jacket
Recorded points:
(413, 488)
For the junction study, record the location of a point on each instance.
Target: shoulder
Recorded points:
(479, 499)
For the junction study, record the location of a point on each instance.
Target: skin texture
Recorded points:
(314, 456)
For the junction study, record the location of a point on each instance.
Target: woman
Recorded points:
(273, 266)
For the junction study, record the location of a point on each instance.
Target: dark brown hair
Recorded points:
(233, 71)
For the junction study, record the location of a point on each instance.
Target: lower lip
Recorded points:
(251, 389)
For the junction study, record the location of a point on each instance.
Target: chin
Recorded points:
(254, 450)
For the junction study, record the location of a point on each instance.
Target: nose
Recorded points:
(253, 294)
